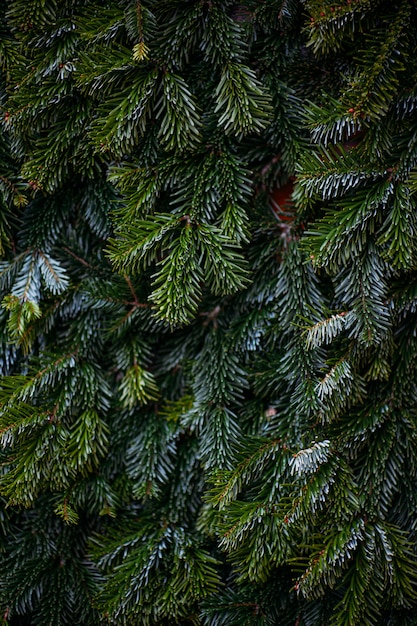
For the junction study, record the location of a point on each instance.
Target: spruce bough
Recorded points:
(207, 325)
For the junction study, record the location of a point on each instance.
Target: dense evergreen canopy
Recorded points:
(208, 330)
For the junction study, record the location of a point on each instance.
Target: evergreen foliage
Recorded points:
(208, 261)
